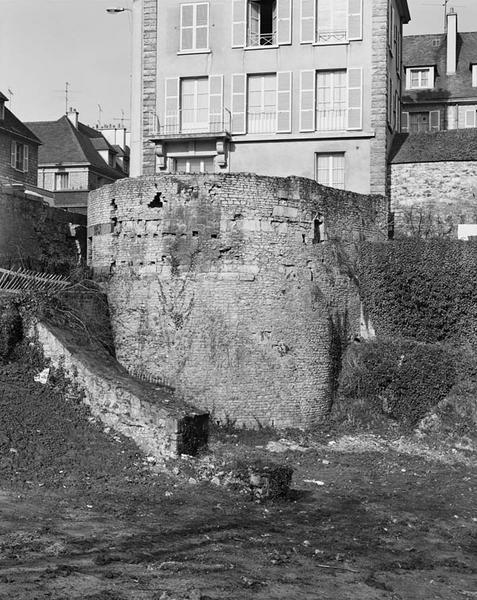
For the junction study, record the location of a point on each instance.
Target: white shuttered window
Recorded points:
(307, 100)
(284, 101)
(331, 21)
(239, 100)
(355, 98)
(262, 104)
(194, 27)
(330, 169)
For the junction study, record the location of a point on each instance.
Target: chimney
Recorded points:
(73, 116)
(451, 41)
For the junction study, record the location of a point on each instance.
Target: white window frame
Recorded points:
(195, 49)
(331, 156)
(62, 175)
(268, 121)
(273, 33)
(15, 158)
(411, 70)
(330, 42)
(474, 75)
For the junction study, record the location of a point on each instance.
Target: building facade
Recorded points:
(75, 159)
(275, 87)
(18, 149)
(440, 80)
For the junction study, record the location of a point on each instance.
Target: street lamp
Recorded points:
(135, 77)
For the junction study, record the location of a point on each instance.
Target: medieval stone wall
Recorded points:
(235, 289)
(431, 199)
(33, 234)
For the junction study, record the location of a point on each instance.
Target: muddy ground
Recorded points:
(84, 515)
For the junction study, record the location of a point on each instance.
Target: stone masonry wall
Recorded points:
(149, 83)
(379, 97)
(233, 288)
(431, 199)
(33, 234)
(159, 425)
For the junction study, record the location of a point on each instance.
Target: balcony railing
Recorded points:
(261, 122)
(261, 39)
(188, 122)
(331, 120)
(331, 36)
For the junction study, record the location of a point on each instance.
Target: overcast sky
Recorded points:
(46, 43)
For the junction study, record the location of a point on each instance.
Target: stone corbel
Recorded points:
(221, 149)
(160, 152)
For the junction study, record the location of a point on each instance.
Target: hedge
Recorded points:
(399, 378)
(425, 290)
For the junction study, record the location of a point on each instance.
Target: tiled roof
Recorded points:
(431, 50)
(63, 143)
(14, 126)
(452, 145)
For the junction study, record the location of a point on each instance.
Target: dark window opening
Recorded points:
(262, 19)
(318, 231)
(156, 202)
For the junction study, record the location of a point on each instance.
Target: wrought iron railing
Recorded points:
(188, 122)
(261, 122)
(331, 36)
(261, 39)
(331, 120)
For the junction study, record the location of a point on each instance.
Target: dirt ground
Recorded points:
(84, 515)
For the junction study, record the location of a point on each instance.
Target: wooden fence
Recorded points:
(23, 279)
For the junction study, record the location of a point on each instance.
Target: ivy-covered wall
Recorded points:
(425, 290)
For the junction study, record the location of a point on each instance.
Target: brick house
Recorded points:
(75, 159)
(278, 87)
(440, 80)
(18, 149)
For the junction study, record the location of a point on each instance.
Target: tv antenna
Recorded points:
(100, 115)
(11, 94)
(122, 119)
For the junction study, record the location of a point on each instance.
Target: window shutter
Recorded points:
(172, 105)
(355, 98)
(307, 21)
(307, 100)
(25, 159)
(405, 122)
(284, 100)
(13, 153)
(239, 22)
(284, 22)
(355, 19)
(435, 120)
(239, 92)
(216, 102)
(469, 117)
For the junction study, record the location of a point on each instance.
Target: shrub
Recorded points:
(425, 290)
(399, 378)
(11, 330)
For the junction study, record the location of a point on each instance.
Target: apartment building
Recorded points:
(275, 87)
(440, 80)
(75, 159)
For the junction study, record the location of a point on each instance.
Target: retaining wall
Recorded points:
(150, 415)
